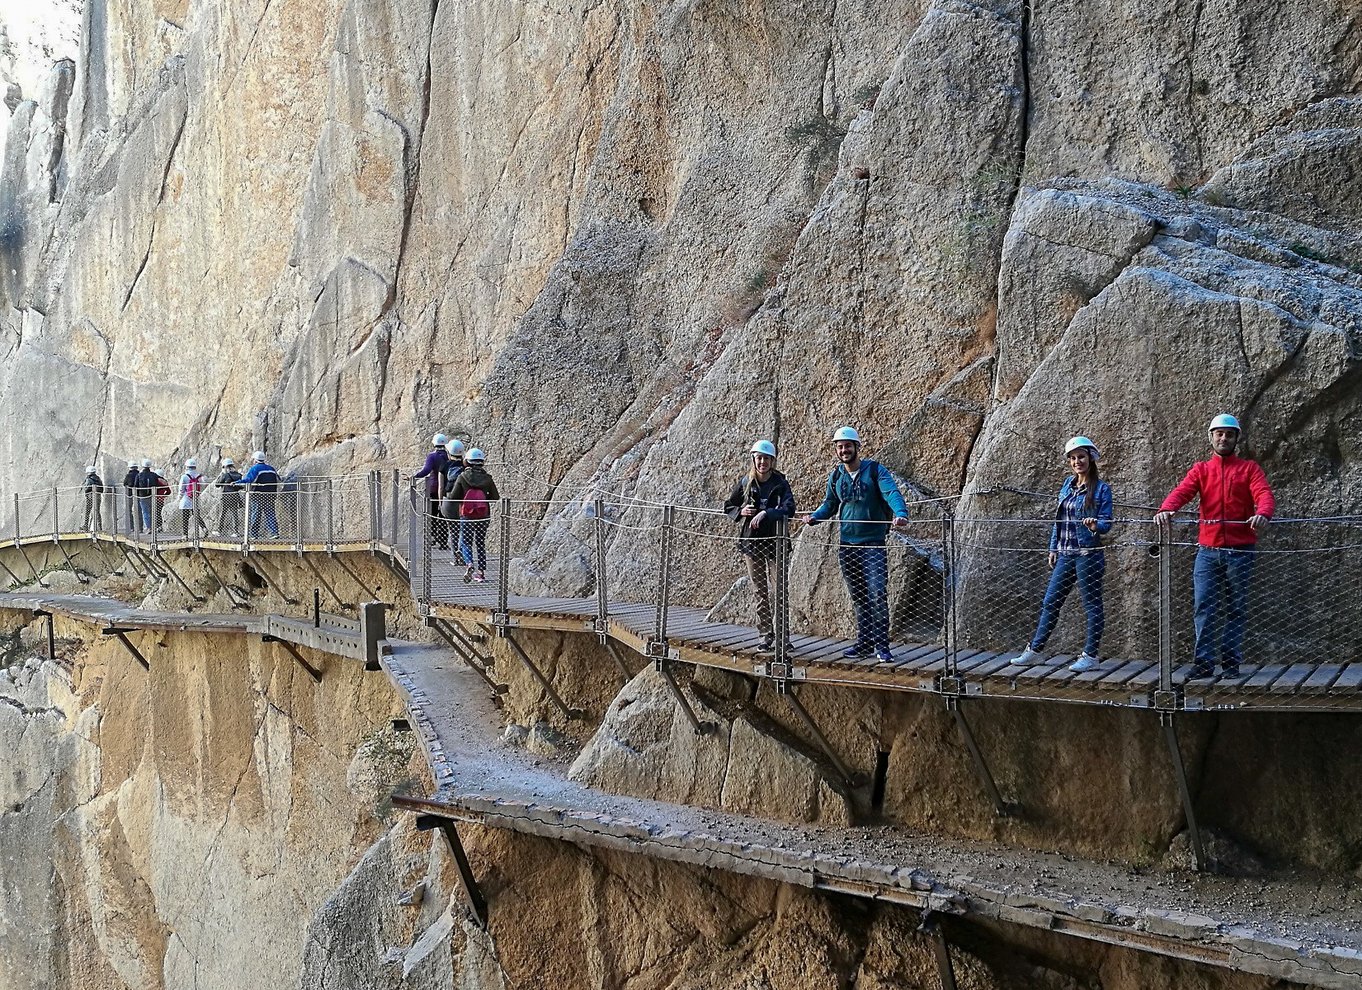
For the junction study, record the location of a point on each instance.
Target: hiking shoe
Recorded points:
(855, 653)
(468, 574)
(768, 644)
(1201, 670)
(1229, 669)
(884, 656)
(479, 577)
(1026, 658)
(1085, 661)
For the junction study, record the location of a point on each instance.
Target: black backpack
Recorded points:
(266, 481)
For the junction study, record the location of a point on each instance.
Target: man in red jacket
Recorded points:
(1236, 505)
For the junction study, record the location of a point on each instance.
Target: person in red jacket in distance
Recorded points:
(1236, 505)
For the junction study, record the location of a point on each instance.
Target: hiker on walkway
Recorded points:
(759, 502)
(862, 494)
(191, 485)
(474, 492)
(148, 481)
(262, 491)
(1236, 506)
(130, 492)
(93, 489)
(230, 504)
(449, 509)
(1083, 514)
(434, 470)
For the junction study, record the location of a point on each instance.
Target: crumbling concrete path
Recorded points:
(1304, 929)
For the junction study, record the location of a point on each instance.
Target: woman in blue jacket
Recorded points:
(1082, 516)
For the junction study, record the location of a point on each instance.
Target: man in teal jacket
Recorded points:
(866, 501)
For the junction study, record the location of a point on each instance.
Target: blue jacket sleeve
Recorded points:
(1104, 513)
(890, 490)
(251, 473)
(786, 507)
(831, 503)
(1054, 529)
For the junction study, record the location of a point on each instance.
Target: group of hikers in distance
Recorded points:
(1236, 504)
(459, 495)
(148, 491)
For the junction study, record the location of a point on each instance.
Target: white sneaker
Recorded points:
(1027, 657)
(1084, 662)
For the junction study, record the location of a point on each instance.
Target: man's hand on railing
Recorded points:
(807, 519)
(900, 522)
(1163, 518)
(1258, 523)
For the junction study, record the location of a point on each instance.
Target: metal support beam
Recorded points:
(559, 703)
(226, 589)
(369, 593)
(1000, 807)
(132, 561)
(36, 576)
(269, 580)
(664, 667)
(472, 894)
(819, 738)
(51, 632)
(941, 949)
(71, 563)
(465, 655)
(1165, 549)
(614, 652)
(17, 580)
(315, 674)
(312, 566)
(1170, 734)
(122, 635)
(176, 575)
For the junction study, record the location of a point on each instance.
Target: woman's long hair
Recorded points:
(1090, 480)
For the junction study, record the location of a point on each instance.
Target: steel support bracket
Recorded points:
(472, 893)
(1000, 807)
(1170, 733)
(951, 685)
(821, 740)
(572, 714)
(665, 668)
(1168, 701)
(293, 651)
(658, 650)
(502, 623)
(51, 631)
(122, 635)
(941, 949)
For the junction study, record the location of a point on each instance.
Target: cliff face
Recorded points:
(619, 240)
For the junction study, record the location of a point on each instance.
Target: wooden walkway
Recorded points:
(918, 666)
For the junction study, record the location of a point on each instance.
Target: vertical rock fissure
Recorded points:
(1191, 97)
(413, 164)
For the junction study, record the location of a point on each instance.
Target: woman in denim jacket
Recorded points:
(1082, 516)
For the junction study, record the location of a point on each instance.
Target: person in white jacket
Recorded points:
(191, 486)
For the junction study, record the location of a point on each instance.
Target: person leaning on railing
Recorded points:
(758, 502)
(1236, 505)
(93, 488)
(1083, 514)
(191, 486)
(148, 483)
(865, 498)
(262, 486)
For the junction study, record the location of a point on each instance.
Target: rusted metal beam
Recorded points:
(472, 893)
(559, 703)
(664, 667)
(121, 634)
(819, 738)
(293, 652)
(463, 654)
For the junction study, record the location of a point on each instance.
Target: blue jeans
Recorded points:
(1216, 568)
(144, 509)
(263, 505)
(1085, 570)
(865, 569)
(473, 540)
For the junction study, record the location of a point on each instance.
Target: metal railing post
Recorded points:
(56, 518)
(1165, 608)
(397, 491)
(330, 516)
(18, 531)
(246, 522)
(298, 516)
(657, 649)
(503, 560)
(426, 559)
(951, 632)
(781, 619)
(602, 603)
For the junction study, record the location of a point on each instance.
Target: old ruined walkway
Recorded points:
(1298, 930)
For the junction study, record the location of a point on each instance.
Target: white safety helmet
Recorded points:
(191, 463)
(454, 448)
(132, 464)
(439, 440)
(475, 456)
(1223, 422)
(146, 462)
(1081, 441)
(90, 469)
(259, 457)
(228, 462)
(846, 433)
(764, 447)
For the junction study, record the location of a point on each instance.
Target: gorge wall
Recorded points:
(615, 242)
